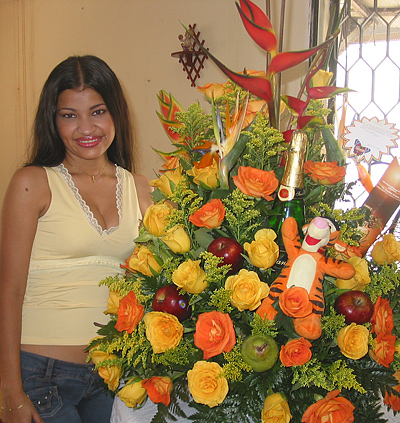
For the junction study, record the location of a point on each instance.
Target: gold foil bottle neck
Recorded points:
(293, 174)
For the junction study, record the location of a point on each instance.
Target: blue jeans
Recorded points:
(64, 392)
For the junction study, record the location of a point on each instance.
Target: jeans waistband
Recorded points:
(60, 366)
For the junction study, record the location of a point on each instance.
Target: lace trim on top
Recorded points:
(88, 213)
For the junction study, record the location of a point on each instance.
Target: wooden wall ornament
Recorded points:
(191, 57)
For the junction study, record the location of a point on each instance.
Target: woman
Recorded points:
(69, 219)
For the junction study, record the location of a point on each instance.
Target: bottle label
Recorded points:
(279, 265)
(287, 193)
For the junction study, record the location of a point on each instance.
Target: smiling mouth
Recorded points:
(88, 142)
(88, 139)
(312, 241)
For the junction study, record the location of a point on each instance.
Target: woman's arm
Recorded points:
(27, 198)
(144, 190)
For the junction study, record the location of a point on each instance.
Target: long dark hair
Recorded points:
(47, 148)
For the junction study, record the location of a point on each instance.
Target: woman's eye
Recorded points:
(99, 112)
(68, 115)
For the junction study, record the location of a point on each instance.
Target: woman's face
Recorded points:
(84, 124)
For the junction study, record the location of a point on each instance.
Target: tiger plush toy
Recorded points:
(299, 285)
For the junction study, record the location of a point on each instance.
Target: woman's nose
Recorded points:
(86, 126)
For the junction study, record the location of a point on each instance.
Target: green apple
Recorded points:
(260, 352)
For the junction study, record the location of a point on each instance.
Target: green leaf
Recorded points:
(203, 237)
(333, 150)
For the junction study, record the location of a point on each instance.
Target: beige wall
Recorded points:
(136, 38)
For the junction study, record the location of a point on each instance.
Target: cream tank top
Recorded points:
(71, 254)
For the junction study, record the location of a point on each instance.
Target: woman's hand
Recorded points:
(23, 412)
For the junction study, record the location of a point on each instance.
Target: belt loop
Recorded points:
(50, 366)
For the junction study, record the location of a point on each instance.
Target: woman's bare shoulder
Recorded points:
(29, 186)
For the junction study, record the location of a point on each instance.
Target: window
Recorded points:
(367, 60)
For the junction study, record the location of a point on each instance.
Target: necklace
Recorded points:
(85, 173)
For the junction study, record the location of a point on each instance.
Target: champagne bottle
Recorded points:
(290, 198)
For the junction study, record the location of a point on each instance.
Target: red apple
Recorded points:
(228, 249)
(356, 306)
(168, 300)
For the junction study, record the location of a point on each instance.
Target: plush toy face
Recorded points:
(318, 234)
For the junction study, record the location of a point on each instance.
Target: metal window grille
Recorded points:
(368, 60)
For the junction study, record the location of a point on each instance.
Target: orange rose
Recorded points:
(214, 334)
(129, 312)
(392, 400)
(158, 389)
(383, 349)
(296, 352)
(215, 90)
(210, 215)
(326, 173)
(254, 107)
(142, 260)
(331, 409)
(382, 319)
(256, 182)
(171, 163)
(295, 302)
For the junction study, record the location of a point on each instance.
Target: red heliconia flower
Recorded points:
(258, 26)
(169, 106)
(318, 93)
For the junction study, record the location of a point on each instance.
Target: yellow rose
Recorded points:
(163, 331)
(98, 356)
(353, 341)
(207, 175)
(163, 182)
(142, 260)
(248, 290)
(263, 252)
(132, 393)
(321, 79)
(110, 374)
(360, 279)
(276, 410)
(112, 303)
(190, 277)
(156, 218)
(387, 250)
(177, 239)
(206, 384)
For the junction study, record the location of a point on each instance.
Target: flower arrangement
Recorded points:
(187, 322)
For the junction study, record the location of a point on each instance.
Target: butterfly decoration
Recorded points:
(358, 149)
(370, 140)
